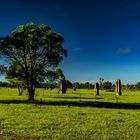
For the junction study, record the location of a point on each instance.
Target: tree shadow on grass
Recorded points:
(67, 103)
(78, 97)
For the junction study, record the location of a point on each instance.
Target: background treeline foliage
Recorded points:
(106, 85)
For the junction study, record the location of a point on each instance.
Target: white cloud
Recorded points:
(77, 49)
(126, 50)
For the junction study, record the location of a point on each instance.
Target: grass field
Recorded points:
(77, 115)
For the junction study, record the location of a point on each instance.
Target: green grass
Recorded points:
(77, 115)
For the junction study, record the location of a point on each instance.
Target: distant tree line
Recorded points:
(105, 85)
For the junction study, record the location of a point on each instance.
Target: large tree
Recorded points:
(34, 51)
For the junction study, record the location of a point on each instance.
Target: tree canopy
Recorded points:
(32, 52)
(106, 85)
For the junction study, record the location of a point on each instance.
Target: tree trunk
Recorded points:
(20, 89)
(31, 93)
(30, 87)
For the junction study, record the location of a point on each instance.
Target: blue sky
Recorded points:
(102, 36)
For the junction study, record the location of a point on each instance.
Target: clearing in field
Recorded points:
(77, 115)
